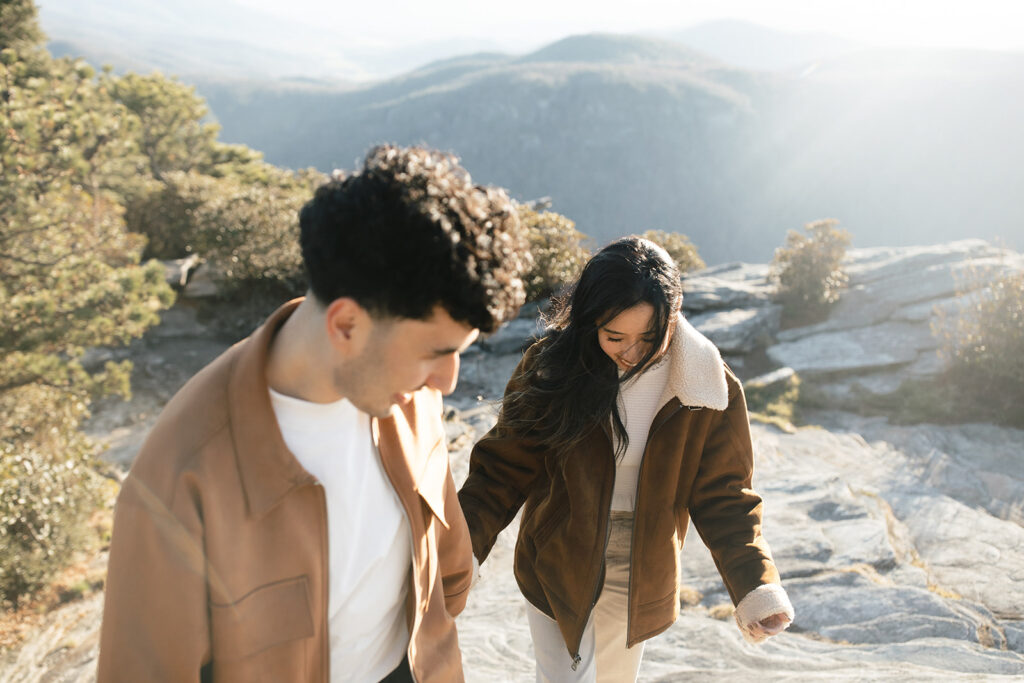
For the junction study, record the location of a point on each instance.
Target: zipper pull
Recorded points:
(576, 661)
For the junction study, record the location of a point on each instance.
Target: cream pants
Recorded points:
(603, 652)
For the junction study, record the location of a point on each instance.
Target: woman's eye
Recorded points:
(613, 340)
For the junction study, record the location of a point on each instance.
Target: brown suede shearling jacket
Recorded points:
(218, 565)
(697, 464)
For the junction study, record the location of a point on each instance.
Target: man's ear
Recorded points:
(347, 324)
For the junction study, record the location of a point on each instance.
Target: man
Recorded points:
(292, 515)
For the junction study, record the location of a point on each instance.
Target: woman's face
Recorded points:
(628, 337)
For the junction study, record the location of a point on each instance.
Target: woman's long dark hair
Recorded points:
(572, 386)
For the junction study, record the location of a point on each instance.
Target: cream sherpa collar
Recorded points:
(696, 370)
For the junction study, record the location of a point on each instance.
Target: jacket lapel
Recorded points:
(267, 468)
(696, 370)
(413, 451)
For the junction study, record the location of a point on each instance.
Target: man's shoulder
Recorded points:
(191, 423)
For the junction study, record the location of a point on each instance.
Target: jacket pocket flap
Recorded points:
(269, 615)
(432, 481)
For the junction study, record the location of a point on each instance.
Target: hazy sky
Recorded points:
(993, 24)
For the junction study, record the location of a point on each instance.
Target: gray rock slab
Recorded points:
(739, 330)
(700, 648)
(978, 465)
(858, 607)
(733, 271)
(877, 347)
(964, 550)
(178, 271)
(735, 285)
(878, 263)
(771, 379)
(203, 283)
(967, 551)
(514, 336)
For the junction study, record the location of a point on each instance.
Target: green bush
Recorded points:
(557, 250)
(247, 230)
(48, 488)
(679, 247)
(250, 232)
(809, 273)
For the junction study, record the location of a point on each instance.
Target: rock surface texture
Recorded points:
(901, 547)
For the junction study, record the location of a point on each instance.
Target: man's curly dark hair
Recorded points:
(410, 231)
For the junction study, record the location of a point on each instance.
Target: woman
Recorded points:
(616, 429)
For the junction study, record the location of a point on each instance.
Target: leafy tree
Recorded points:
(679, 247)
(69, 281)
(557, 250)
(174, 134)
(173, 137)
(20, 32)
(809, 273)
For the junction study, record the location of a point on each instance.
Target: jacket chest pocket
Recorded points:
(270, 615)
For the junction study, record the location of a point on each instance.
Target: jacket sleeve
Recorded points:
(155, 619)
(725, 510)
(502, 469)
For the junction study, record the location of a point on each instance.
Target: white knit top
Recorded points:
(638, 404)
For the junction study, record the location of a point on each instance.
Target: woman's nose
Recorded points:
(634, 353)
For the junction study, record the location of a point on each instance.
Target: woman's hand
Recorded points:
(770, 626)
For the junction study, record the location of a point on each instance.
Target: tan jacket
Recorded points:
(218, 565)
(697, 464)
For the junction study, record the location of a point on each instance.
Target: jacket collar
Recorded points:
(696, 370)
(267, 468)
(269, 471)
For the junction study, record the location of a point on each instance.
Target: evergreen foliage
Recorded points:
(809, 273)
(79, 153)
(679, 247)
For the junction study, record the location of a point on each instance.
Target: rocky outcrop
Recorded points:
(882, 332)
(901, 546)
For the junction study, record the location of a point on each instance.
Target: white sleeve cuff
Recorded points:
(762, 602)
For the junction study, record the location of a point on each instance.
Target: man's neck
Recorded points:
(299, 360)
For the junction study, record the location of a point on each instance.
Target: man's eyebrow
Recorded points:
(447, 351)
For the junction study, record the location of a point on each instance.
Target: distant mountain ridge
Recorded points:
(628, 134)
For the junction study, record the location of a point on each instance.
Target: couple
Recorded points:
(292, 515)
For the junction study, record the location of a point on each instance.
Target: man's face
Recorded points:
(398, 356)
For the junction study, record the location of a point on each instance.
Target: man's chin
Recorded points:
(396, 401)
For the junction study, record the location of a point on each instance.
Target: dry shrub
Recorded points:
(679, 247)
(983, 343)
(557, 250)
(809, 273)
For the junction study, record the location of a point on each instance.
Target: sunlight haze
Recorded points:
(984, 24)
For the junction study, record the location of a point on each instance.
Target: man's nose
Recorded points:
(445, 374)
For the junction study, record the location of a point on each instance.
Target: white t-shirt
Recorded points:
(638, 404)
(368, 537)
